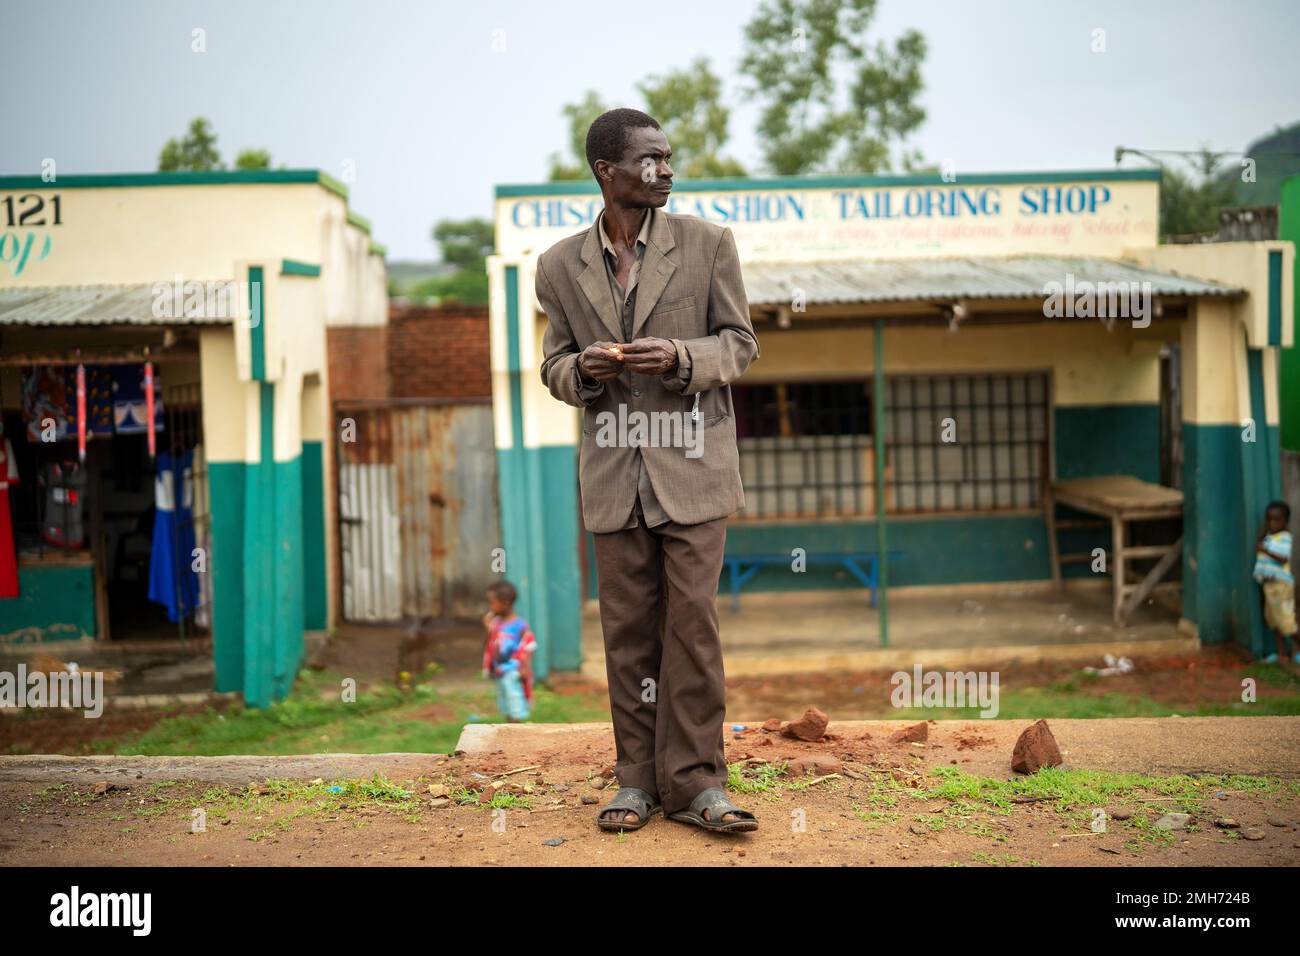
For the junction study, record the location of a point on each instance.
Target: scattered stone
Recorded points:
(1252, 834)
(915, 734)
(1275, 821)
(772, 726)
(598, 783)
(1035, 749)
(1121, 813)
(556, 841)
(590, 798)
(488, 793)
(816, 763)
(1227, 823)
(1173, 821)
(439, 802)
(811, 726)
(437, 790)
(917, 829)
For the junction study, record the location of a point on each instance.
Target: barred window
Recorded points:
(952, 443)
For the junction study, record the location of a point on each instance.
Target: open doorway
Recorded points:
(110, 545)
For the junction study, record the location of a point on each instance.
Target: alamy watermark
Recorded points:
(638, 429)
(79, 690)
(946, 689)
(227, 300)
(1098, 300)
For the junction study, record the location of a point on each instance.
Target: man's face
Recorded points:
(642, 178)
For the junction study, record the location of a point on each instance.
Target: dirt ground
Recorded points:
(879, 808)
(1209, 677)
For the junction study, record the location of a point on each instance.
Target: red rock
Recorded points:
(916, 734)
(1035, 749)
(811, 726)
(773, 725)
(815, 763)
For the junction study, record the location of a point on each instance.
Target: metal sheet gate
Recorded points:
(418, 514)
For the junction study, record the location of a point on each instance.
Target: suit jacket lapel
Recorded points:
(656, 269)
(594, 282)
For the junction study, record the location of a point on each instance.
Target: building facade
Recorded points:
(958, 322)
(222, 285)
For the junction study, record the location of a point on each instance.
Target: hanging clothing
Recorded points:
(46, 398)
(8, 557)
(130, 406)
(172, 581)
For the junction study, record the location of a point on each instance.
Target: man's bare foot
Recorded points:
(726, 817)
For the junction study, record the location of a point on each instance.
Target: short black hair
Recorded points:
(504, 590)
(607, 137)
(1281, 506)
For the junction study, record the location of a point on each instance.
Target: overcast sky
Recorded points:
(432, 118)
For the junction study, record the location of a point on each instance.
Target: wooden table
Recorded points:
(1122, 499)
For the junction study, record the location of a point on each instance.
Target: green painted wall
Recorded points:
(259, 570)
(540, 529)
(53, 604)
(315, 579)
(1289, 228)
(539, 522)
(1108, 440)
(227, 481)
(288, 600)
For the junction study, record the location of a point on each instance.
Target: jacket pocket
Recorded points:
(676, 305)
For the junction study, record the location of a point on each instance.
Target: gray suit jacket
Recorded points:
(690, 291)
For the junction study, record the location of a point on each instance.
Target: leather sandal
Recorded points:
(629, 798)
(715, 801)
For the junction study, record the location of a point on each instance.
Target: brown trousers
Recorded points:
(663, 656)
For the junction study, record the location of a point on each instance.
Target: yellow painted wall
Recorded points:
(1089, 365)
(1240, 264)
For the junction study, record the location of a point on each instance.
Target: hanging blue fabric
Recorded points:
(172, 581)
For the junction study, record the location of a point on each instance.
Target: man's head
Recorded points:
(1277, 517)
(628, 154)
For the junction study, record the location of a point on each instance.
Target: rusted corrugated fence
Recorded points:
(418, 515)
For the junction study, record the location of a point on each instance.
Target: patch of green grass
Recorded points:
(315, 719)
(1006, 859)
(1075, 697)
(874, 818)
(1073, 789)
(754, 778)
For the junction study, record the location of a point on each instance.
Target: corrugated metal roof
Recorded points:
(975, 277)
(93, 305)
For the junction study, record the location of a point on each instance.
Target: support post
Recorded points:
(882, 536)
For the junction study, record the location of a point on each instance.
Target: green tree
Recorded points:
(1190, 203)
(799, 54)
(465, 244)
(688, 104)
(253, 159)
(580, 116)
(196, 150)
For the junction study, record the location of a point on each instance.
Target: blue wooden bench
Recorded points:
(861, 564)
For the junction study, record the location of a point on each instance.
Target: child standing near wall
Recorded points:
(508, 656)
(1273, 572)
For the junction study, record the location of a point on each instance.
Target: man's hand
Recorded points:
(650, 356)
(601, 360)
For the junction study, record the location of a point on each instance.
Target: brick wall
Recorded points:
(438, 352)
(358, 360)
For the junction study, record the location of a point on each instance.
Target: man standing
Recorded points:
(647, 314)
